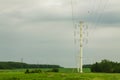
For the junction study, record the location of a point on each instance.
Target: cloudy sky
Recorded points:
(42, 31)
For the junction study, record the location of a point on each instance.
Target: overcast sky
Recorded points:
(41, 31)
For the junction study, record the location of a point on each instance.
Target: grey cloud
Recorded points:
(43, 28)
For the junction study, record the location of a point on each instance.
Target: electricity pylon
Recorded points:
(81, 47)
(80, 36)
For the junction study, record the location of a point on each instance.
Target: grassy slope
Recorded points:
(16, 75)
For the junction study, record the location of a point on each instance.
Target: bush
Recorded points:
(27, 71)
(14, 78)
(55, 70)
(106, 66)
(33, 71)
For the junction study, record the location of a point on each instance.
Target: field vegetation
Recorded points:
(23, 71)
(63, 74)
(106, 66)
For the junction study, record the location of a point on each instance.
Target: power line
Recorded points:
(104, 3)
(74, 32)
(104, 8)
(72, 12)
(79, 38)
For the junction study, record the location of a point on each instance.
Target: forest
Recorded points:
(106, 66)
(20, 65)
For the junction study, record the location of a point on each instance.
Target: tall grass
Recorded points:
(64, 74)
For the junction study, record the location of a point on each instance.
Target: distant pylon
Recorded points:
(21, 60)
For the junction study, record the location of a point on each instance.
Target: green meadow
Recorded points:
(63, 74)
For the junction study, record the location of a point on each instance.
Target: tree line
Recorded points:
(17, 65)
(106, 66)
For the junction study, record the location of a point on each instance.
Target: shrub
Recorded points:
(33, 71)
(55, 70)
(106, 66)
(27, 71)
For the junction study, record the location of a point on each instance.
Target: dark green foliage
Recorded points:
(12, 65)
(55, 70)
(27, 71)
(32, 71)
(17, 65)
(106, 66)
(11, 78)
(36, 71)
(14, 78)
(43, 66)
(87, 66)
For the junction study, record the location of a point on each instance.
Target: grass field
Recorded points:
(64, 74)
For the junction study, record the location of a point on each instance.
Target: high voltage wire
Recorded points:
(75, 28)
(104, 8)
(101, 8)
(74, 33)
(97, 13)
(78, 39)
(95, 10)
(73, 21)
(98, 5)
(98, 19)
